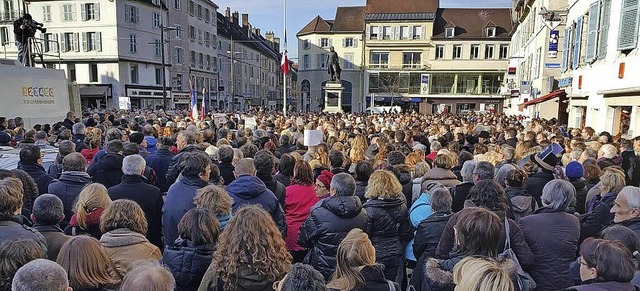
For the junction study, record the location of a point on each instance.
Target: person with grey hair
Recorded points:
(626, 208)
(186, 143)
(508, 156)
(40, 274)
(483, 171)
(435, 147)
(429, 230)
(47, 214)
(501, 174)
(328, 223)
(225, 156)
(249, 189)
(64, 148)
(42, 140)
(113, 133)
(78, 136)
(74, 177)
(461, 191)
(149, 276)
(135, 187)
(553, 235)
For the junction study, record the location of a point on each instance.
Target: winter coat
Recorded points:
(633, 224)
(276, 187)
(373, 280)
(67, 188)
(419, 211)
(226, 172)
(581, 194)
(389, 231)
(518, 242)
(406, 181)
(248, 279)
(92, 223)
(13, 228)
(552, 236)
(67, 123)
(416, 189)
(188, 263)
(361, 188)
(175, 167)
(126, 248)
(107, 170)
(248, 189)
(55, 238)
(631, 167)
(444, 176)
(38, 174)
(522, 204)
(460, 193)
(513, 142)
(298, 203)
(55, 169)
(152, 144)
(285, 180)
(88, 154)
(605, 286)
(179, 200)
(150, 200)
(428, 234)
(159, 161)
(78, 140)
(598, 217)
(433, 275)
(328, 223)
(536, 182)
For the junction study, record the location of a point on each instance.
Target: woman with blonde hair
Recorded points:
(388, 223)
(356, 267)
(482, 274)
(217, 200)
(125, 226)
(88, 265)
(250, 255)
(92, 142)
(92, 201)
(599, 206)
(322, 154)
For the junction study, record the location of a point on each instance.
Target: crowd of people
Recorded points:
(152, 200)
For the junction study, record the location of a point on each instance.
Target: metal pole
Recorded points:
(233, 84)
(284, 80)
(164, 77)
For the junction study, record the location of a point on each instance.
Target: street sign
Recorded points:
(424, 84)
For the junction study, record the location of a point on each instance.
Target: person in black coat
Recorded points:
(12, 226)
(630, 164)
(186, 143)
(31, 163)
(70, 183)
(536, 181)
(599, 213)
(264, 163)
(160, 160)
(149, 197)
(328, 223)
(191, 254)
(510, 135)
(108, 169)
(69, 120)
(363, 171)
(430, 230)
(388, 222)
(78, 136)
(461, 191)
(225, 155)
(626, 213)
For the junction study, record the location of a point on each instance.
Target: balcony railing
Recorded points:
(404, 67)
(9, 15)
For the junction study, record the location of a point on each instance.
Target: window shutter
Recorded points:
(424, 32)
(330, 42)
(604, 28)
(592, 34)
(98, 46)
(76, 41)
(73, 12)
(83, 12)
(63, 43)
(97, 10)
(369, 32)
(577, 42)
(85, 41)
(55, 46)
(127, 13)
(397, 32)
(137, 14)
(410, 32)
(628, 36)
(355, 42)
(565, 49)
(344, 42)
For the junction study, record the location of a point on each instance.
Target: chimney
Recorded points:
(269, 36)
(235, 18)
(245, 20)
(257, 31)
(228, 13)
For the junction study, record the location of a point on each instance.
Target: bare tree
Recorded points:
(390, 83)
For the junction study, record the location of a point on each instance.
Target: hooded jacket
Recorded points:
(188, 263)
(107, 170)
(37, 172)
(522, 204)
(581, 194)
(179, 200)
(248, 279)
(151, 143)
(443, 176)
(328, 223)
(247, 189)
(125, 248)
(67, 188)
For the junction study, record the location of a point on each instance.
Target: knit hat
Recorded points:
(574, 170)
(325, 178)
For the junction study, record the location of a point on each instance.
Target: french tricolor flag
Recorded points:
(194, 105)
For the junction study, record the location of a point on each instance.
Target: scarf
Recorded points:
(92, 218)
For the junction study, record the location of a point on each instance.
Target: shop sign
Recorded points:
(565, 82)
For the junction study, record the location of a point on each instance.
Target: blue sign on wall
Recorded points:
(565, 82)
(554, 37)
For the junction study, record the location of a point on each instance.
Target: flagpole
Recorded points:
(284, 75)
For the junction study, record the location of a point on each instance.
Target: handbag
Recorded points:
(392, 287)
(523, 280)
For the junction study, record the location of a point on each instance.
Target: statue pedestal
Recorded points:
(333, 97)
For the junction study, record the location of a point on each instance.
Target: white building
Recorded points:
(601, 76)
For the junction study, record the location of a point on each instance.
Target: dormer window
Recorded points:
(491, 32)
(450, 32)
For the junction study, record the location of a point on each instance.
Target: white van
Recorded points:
(383, 109)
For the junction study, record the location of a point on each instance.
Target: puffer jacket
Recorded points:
(298, 203)
(522, 204)
(107, 170)
(187, 262)
(428, 234)
(581, 194)
(247, 189)
(67, 188)
(444, 176)
(328, 223)
(389, 231)
(126, 248)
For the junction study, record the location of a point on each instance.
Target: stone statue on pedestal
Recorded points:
(333, 65)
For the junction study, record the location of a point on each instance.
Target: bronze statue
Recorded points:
(333, 65)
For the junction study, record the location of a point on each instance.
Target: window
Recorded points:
(603, 33)
(192, 7)
(374, 32)
(417, 32)
(324, 42)
(504, 51)
(134, 74)
(133, 44)
(199, 14)
(46, 13)
(90, 11)
(442, 84)
(450, 32)
(349, 42)
(207, 15)
(178, 56)
(179, 82)
(192, 59)
(157, 48)
(157, 20)
(92, 41)
(490, 31)
(158, 75)
(439, 52)
(179, 32)
(177, 4)
(200, 36)
(386, 32)
(156, 2)
(488, 51)
(322, 61)
(475, 51)
(468, 84)
(192, 32)
(70, 42)
(404, 32)
(131, 14)
(306, 44)
(207, 38)
(47, 44)
(207, 63)
(348, 61)
(306, 62)
(628, 32)
(412, 60)
(457, 51)
(93, 72)
(379, 59)
(71, 68)
(67, 12)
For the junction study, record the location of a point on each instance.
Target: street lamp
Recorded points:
(233, 84)
(164, 76)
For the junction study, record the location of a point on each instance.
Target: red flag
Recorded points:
(285, 63)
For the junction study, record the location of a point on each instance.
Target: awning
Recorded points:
(552, 95)
(93, 91)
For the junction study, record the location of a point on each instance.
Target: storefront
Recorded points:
(462, 105)
(181, 100)
(552, 105)
(622, 111)
(95, 96)
(146, 97)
